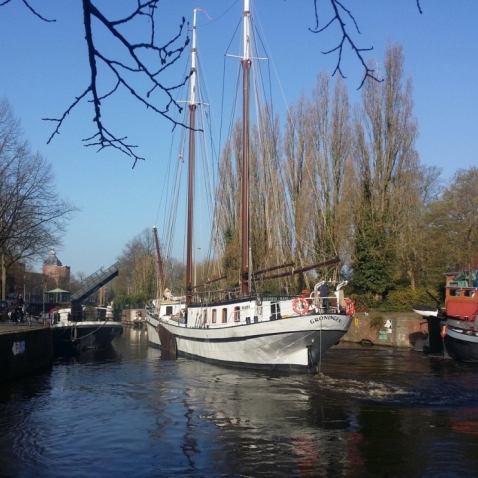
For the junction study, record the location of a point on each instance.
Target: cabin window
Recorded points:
(169, 310)
(213, 317)
(224, 316)
(237, 314)
(204, 317)
(275, 311)
(469, 293)
(455, 292)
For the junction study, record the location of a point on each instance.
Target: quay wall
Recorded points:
(24, 349)
(393, 329)
(133, 317)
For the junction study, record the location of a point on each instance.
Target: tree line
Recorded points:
(334, 179)
(344, 180)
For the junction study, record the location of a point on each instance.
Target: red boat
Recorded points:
(460, 326)
(458, 322)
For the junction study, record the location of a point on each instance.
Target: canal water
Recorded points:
(126, 412)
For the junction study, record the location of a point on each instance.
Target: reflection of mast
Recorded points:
(192, 118)
(160, 262)
(246, 67)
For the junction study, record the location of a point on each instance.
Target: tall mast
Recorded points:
(192, 119)
(246, 67)
(159, 260)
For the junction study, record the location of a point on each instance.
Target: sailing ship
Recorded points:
(457, 324)
(241, 327)
(165, 306)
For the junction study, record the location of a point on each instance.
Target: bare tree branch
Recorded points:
(164, 56)
(147, 60)
(339, 12)
(35, 12)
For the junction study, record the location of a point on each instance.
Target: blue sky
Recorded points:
(43, 66)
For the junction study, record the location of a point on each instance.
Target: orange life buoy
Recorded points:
(349, 307)
(300, 306)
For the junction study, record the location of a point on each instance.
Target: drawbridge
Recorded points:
(93, 283)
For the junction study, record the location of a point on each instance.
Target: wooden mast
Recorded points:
(246, 66)
(159, 260)
(192, 119)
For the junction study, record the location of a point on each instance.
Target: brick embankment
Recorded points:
(393, 329)
(24, 349)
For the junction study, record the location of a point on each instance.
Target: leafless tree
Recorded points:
(298, 178)
(33, 217)
(138, 269)
(318, 172)
(330, 139)
(228, 212)
(267, 197)
(417, 260)
(137, 264)
(453, 223)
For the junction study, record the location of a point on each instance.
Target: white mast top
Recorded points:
(192, 83)
(247, 37)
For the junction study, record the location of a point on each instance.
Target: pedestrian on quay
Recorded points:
(20, 306)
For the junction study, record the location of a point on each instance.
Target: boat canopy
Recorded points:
(461, 279)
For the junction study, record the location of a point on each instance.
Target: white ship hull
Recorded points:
(152, 330)
(155, 310)
(251, 340)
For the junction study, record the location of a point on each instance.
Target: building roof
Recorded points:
(52, 260)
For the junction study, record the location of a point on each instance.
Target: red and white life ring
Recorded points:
(349, 307)
(300, 306)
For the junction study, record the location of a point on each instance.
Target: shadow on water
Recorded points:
(107, 353)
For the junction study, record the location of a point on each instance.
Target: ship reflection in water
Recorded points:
(125, 411)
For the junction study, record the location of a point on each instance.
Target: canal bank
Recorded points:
(390, 329)
(24, 349)
(135, 318)
(29, 348)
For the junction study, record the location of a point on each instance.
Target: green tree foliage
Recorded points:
(385, 157)
(374, 260)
